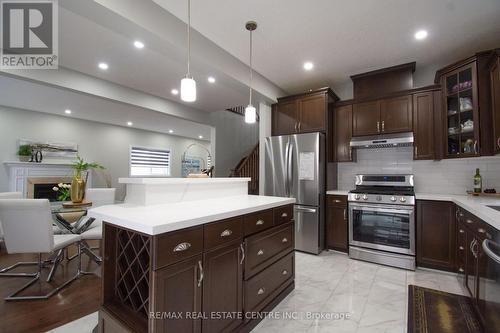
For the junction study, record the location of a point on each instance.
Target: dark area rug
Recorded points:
(432, 311)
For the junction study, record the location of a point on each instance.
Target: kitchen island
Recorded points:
(192, 255)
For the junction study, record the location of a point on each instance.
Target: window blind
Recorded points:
(149, 162)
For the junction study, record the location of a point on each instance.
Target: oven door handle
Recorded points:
(382, 210)
(486, 247)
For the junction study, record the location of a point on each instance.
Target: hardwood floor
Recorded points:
(80, 298)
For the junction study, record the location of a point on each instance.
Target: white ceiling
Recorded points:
(53, 100)
(91, 33)
(344, 37)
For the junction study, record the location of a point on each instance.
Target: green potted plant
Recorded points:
(78, 183)
(24, 153)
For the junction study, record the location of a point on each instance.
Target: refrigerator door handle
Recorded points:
(287, 152)
(289, 169)
(305, 209)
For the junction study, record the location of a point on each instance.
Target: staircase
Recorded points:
(249, 167)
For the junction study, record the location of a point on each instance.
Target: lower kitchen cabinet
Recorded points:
(436, 235)
(223, 288)
(337, 223)
(178, 290)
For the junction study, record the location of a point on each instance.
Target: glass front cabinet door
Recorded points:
(462, 114)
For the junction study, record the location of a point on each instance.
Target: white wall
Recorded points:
(234, 139)
(106, 144)
(452, 176)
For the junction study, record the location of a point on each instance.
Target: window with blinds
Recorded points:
(149, 162)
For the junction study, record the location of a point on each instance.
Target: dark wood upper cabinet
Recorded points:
(337, 223)
(383, 81)
(366, 118)
(495, 99)
(423, 126)
(396, 115)
(223, 287)
(312, 113)
(177, 291)
(342, 129)
(285, 117)
(302, 113)
(436, 235)
(467, 107)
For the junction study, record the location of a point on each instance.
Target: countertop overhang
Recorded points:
(162, 218)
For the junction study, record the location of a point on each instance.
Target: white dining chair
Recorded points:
(98, 197)
(27, 227)
(8, 195)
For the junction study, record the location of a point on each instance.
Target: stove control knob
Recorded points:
(365, 197)
(379, 198)
(357, 197)
(394, 199)
(402, 199)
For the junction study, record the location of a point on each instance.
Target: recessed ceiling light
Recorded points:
(138, 44)
(211, 79)
(67, 111)
(174, 92)
(129, 123)
(308, 65)
(170, 131)
(421, 34)
(200, 136)
(103, 66)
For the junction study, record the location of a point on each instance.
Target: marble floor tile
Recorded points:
(336, 294)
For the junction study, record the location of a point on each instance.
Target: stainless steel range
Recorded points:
(382, 220)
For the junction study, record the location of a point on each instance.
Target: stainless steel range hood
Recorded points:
(383, 141)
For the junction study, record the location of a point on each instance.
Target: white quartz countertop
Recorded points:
(161, 181)
(158, 219)
(337, 192)
(475, 205)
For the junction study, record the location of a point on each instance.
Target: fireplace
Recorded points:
(41, 187)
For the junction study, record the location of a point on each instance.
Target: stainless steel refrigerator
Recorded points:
(295, 167)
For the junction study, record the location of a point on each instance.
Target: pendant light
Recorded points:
(250, 111)
(188, 84)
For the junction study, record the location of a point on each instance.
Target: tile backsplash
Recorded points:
(452, 176)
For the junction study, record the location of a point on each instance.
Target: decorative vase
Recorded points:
(24, 158)
(77, 188)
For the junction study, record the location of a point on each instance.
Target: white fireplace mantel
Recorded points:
(19, 172)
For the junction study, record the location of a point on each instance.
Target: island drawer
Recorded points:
(264, 287)
(175, 246)
(223, 232)
(263, 248)
(283, 214)
(259, 221)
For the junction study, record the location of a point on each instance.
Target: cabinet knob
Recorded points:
(383, 126)
(182, 247)
(469, 221)
(261, 252)
(259, 222)
(284, 215)
(285, 272)
(481, 230)
(461, 231)
(461, 248)
(226, 233)
(378, 126)
(337, 201)
(461, 270)
(261, 291)
(284, 240)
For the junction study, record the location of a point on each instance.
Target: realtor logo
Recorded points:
(29, 38)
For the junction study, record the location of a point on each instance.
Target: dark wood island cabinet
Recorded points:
(204, 278)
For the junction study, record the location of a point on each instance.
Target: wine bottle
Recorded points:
(478, 182)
